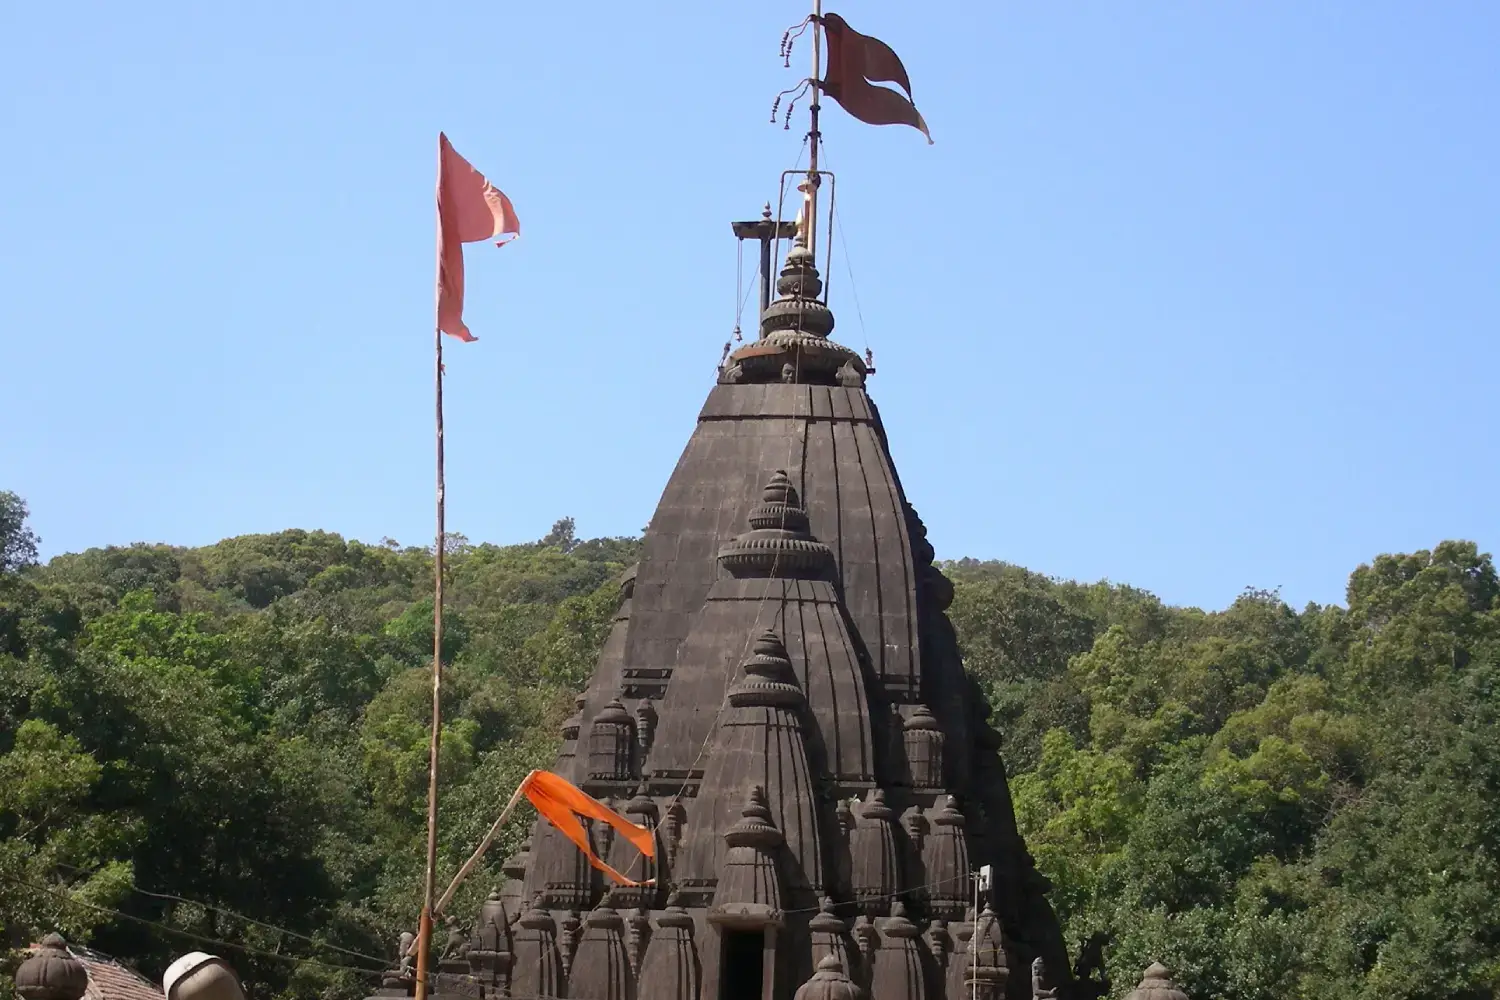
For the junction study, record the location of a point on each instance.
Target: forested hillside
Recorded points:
(227, 745)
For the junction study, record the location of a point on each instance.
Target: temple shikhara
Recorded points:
(781, 703)
(782, 699)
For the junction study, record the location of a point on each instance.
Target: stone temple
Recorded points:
(781, 697)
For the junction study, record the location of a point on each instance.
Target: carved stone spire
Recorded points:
(794, 331)
(513, 891)
(671, 831)
(987, 961)
(1157, 984)
(611, 743)
(670, 969)
(862, 690)
(830, 937)
(761, 740)
(946, 863)
(637, 938)
(490, 953)
(867, 940)
(570, 933)
(874, 858)
(560, 872)
(645, 726)
(624, 857)
(923, 739)
(900, 961)
(778, 544)
(769, 681)
(567, 757)
(960, 971)
(601, 966)
(538, 968)
(844, 822)
(749, 889)
(830, 982)
(916, 826)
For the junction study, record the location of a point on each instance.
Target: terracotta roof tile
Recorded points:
(109, 980)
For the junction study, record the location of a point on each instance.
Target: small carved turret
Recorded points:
(645, 726)
(569, 935)
(830, 982)
(923, 739)
(1157, 984)
(987, 961)
(778, 544)
(670, 969)
(611, 743)
(490, 953)
(671, 831)
(867, 940)
(52, 973)
(513, 890)
(830, 937)
(567, 757)
(895, 740)
(875, 862)
(946, 862)
(917, 828)
(601, 966)
(749, 889)
(626, 859)
(637, 938)
(960, 970)
(899, 962)
(538, 968)
(844, 822)
(769, 681)
(603, 834)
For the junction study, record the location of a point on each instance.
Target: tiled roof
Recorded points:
(109, 980)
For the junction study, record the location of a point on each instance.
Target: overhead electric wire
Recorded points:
(238, 916)
(190, 935)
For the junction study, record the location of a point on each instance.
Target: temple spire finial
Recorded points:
(814, 137)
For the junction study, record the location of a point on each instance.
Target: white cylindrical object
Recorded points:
(201, 976)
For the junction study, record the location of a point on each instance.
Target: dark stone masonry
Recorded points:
(782, 698)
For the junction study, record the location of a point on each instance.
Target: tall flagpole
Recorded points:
(814, 136)
(429, 886)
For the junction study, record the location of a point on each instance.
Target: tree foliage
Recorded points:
(1273, 802)
(230, 742)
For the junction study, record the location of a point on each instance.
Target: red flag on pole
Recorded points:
(469, 209)
(854, 61)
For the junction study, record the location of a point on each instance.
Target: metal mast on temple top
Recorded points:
(855, 64)
(813, 135)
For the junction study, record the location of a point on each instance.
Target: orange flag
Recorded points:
(469, 209)
(557, 799)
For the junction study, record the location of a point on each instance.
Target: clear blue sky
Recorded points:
(1189, 295)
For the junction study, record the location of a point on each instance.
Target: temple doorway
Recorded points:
(744, 966)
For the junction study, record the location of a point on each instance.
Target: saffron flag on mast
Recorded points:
(854, 60)
(562, 803)
(469, 209)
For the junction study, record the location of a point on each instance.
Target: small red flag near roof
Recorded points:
(854, 60)
(469, 209)
(557, 799)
